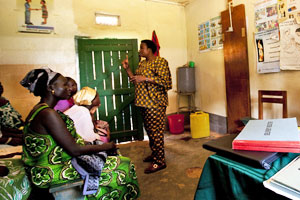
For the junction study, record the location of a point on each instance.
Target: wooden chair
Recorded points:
(267, 96)
(272, 96)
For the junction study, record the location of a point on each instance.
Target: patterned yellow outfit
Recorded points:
(153, 100)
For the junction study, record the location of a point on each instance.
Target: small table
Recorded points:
(191, 101)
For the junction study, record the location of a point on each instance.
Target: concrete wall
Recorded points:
(20, 52)
(210, 74)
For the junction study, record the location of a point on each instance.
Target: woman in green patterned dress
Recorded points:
(11, 122)
(50, 142)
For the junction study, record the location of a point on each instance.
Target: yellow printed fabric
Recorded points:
(151, 95)
(85, 96)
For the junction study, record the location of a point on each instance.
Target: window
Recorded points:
(107, 19)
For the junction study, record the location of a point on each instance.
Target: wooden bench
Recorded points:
(71, 190)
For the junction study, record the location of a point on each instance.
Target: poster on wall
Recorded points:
(288, 9)
(289, 45)
(216, 33)
(268, 51)
(265, 15)
(210, 35)
(36, 16)
(293, 9)
(204, 36)
(282, 10)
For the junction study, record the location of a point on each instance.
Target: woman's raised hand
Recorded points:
(125, 63)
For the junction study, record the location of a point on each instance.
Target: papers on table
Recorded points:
(286, 182)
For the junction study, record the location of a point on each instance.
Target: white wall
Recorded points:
(210, 75)
(70, 18)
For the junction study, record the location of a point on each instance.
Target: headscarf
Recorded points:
(85, 96)
(30, 80)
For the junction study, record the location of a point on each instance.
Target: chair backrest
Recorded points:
(272, 96)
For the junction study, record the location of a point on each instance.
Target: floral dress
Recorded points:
(48, 164)
(9, 117)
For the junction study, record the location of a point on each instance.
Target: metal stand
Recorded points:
(191, 102)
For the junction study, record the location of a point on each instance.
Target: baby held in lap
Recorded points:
(87, 102)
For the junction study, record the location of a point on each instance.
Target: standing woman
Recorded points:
(152, 81)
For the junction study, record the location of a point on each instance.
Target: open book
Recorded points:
(287, 181)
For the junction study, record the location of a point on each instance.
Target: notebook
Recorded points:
(223, 146)
(289, 176)
(286, 182)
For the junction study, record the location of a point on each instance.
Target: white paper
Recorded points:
(287, 177)
(265, 15)
(285, 129)
(280, 190)
(289, 45)
(268, 51)
(286, 182)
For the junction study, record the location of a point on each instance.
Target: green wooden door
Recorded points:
(100, 68)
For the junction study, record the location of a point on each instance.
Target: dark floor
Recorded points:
(185, 158)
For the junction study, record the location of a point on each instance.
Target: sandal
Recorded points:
(154, 168)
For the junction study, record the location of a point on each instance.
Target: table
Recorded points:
(223, 178)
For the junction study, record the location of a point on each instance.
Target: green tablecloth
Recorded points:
(16, 185)
(223, 178)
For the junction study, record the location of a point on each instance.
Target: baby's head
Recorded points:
(89, 98)
(73, 85)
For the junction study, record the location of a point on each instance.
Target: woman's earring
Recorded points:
(52, 91)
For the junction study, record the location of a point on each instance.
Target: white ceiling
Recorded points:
(179, 2)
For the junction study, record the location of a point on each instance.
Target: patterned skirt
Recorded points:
(118, 180)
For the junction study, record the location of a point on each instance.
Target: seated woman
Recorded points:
(63, 105)
(50, 142)
(10, 122)
(86, 103)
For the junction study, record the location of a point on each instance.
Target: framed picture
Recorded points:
(36, 18)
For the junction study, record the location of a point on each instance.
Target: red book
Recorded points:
(274, 135)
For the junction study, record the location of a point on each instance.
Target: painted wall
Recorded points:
(210, 74)
(20, 52)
